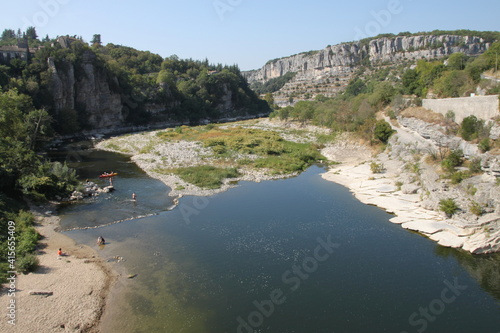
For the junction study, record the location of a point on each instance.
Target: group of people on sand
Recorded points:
(100, 241)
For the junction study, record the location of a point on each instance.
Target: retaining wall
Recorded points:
(483, 107)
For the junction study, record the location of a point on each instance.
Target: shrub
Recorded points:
(392, 114)
(26, 241)
(475, 165)
(454, 159)
(471, 189)
(470, 128)
(27, 263)
(383, 131)
(476, 209)
(457, 177)
(377, 167)
(484, 145)
(448, 206)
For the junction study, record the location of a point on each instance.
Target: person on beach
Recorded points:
(59, 252)
(100, 240)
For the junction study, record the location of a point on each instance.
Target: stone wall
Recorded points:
(483, 107)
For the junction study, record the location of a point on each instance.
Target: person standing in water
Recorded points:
(134, 196)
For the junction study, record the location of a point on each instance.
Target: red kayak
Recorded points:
(107, 175)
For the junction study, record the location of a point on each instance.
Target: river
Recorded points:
(295, 255)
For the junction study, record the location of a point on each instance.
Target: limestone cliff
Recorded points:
(338, 62)
(88, 95)
(89, 92)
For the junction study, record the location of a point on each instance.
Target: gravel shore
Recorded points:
(153, 155)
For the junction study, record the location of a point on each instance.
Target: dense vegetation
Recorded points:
(186, 90)
(25, 174)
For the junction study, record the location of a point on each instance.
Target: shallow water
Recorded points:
(295, 255)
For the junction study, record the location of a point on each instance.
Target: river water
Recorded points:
(296, 255)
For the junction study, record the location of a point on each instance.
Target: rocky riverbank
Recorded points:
(412, 188)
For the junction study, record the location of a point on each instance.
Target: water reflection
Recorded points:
(485, 269)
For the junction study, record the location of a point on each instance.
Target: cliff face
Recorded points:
(86, 90)
(333, 59)
(89, 91)
(317, 68)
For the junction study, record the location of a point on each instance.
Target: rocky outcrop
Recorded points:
(89, 91)
(467, 228)
(333, 59)
(327, 71)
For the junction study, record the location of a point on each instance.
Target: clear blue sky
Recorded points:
(243, 32)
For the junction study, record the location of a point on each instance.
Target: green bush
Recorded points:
(453, 160)
(471, 127)
(484, 145)
(448, 206)
(457, 177)
(383, 131)
(476, 209)
(27, 263)
(377, 167)
(475, 165)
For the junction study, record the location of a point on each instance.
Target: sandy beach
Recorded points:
(71, 288)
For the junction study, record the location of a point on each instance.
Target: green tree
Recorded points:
(454, 83)
(382, 94)
(96, 40)
(477, 67)
(269, 99)
(428, 72)
(457, 61)
(470, 128)
(355, 87)
(31, 33)
(383, 131)
(411, 84)
(8, 34)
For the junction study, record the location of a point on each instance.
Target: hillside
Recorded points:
(107, 87)
(329, 71)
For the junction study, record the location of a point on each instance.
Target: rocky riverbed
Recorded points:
(153, 155)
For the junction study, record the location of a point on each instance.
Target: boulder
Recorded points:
(410, 188)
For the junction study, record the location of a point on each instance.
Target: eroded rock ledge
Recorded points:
(412, 189)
